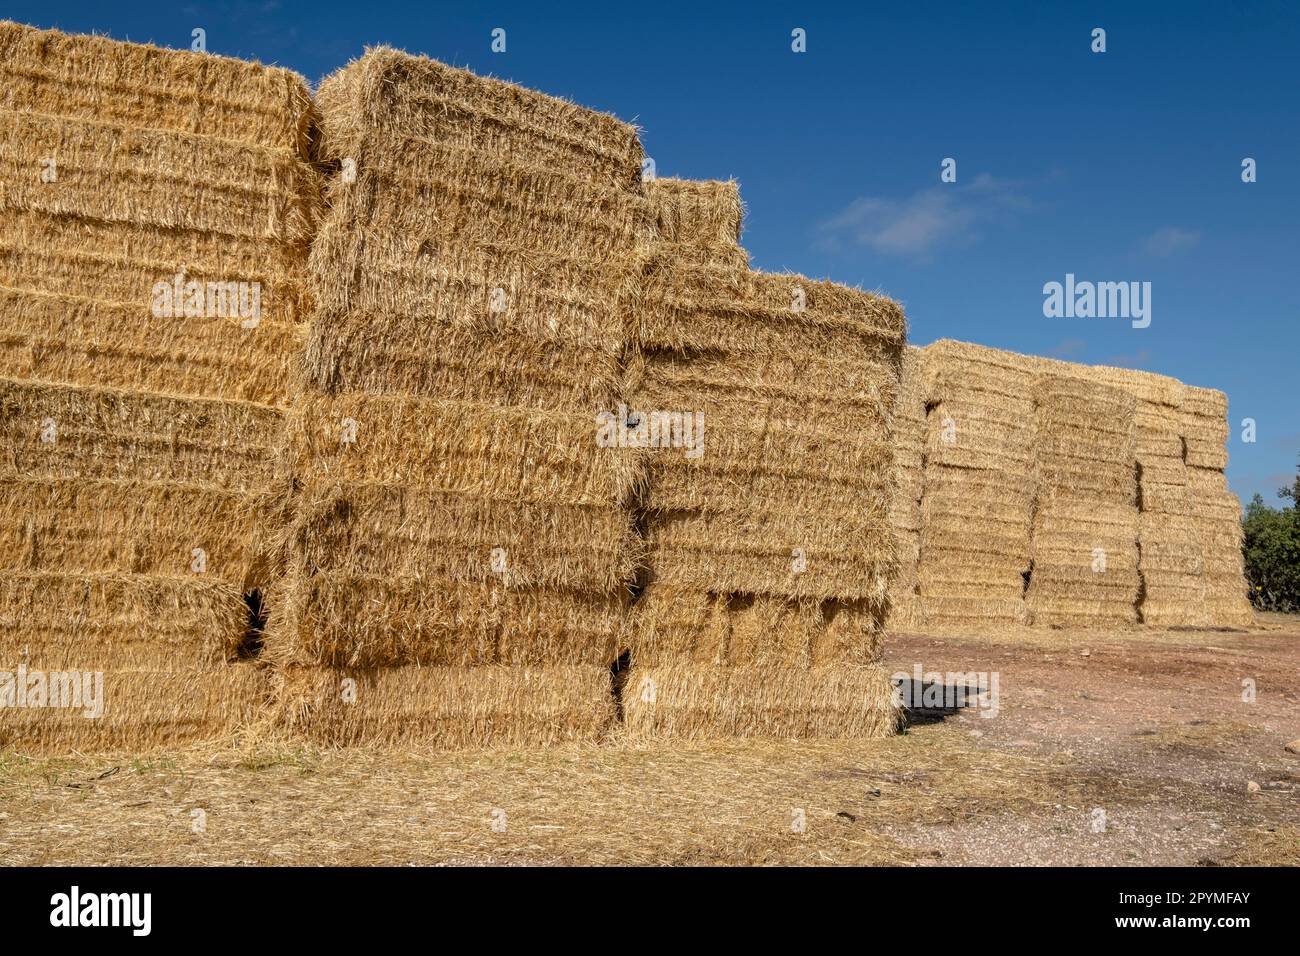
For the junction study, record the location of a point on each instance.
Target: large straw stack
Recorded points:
(769, 548)
(140, 438)
(991, 454)
(1084, 545)
(909, 431)
(1169, 558)
(1216, 511)
(459, 551)
(978, 490)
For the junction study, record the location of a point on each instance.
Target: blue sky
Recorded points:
(1121, 166)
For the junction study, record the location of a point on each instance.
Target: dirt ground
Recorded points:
(1121, 748)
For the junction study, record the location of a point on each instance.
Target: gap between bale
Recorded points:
(618, 673)
(250, 647)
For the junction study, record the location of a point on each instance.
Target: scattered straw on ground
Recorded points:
(733, 803)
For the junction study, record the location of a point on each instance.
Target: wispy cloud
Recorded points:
(1169, 241)
(1135, 360)
(927, 219)
(1068, 348)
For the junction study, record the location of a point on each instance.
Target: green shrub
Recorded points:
(1272, 551)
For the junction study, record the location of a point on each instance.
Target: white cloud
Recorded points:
(1068, 348)
(1170, 240)
(928, 218)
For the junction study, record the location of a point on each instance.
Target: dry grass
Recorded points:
(1269, 846)
(728, 803)
(780, 699)
(1202, 735)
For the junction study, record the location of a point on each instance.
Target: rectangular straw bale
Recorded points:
(700, 702)
(769, 631)
(117, 620)
(388, 268)
(163, 179)
(96, 78)
(404, 532)
(697, 212)
(486, 202)
(354, 620)
(904, 611)
(791, 551)
(699, 221)
(1171, 565)
(500, 454)
(1208, 404)
(773, 464)
(1148, 388)
(852, 632)
(905, 509)
(956, 609)
(123, 262)
(465, 359)
(388, 93)
(78, 341)
(671, 624)
(1205, 427)
(65, 431)
(725, 309)
(143, 709)
(79, 525)
(788, 385)
(537, 201)
(971, 430)
(446, 707)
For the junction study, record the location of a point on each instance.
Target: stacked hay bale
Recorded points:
(909, 431)
(769, 546)
(978, 500)
(980, 485)
(1084, 541)
(460, 550)
(1215, 510)
(1169, 557)
(157, 206)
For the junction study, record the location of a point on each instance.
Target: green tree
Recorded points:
(1271, 547)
